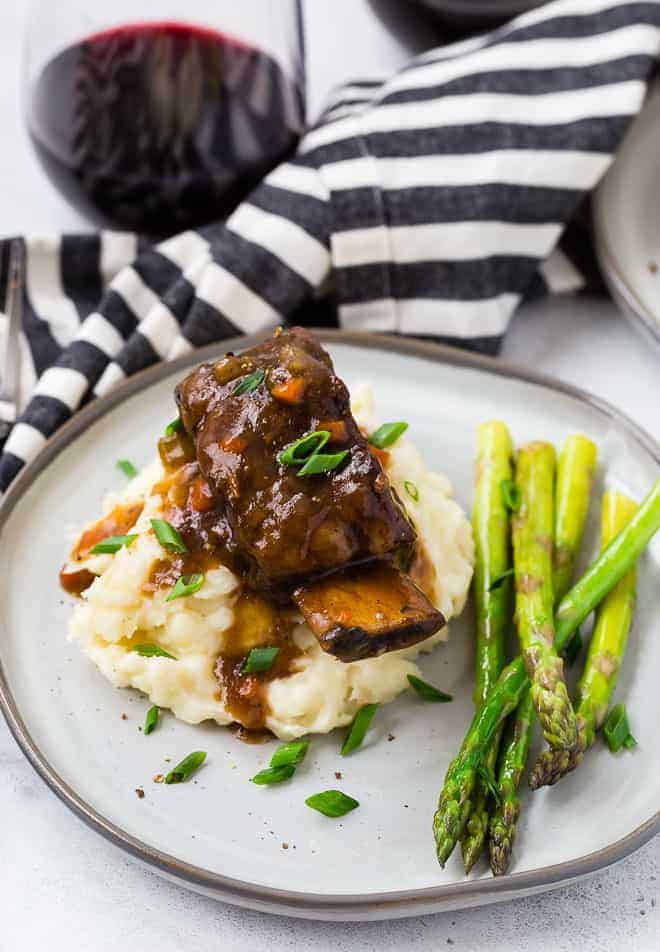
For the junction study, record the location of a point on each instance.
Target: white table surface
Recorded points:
(64, 888)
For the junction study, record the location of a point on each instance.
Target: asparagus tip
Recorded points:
(444, 848)
(556, 712)
(471, 848)
(475, 832)
(448, 824)
(500, 846)
(552, 765)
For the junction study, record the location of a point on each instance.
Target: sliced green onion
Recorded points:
(488, 778)
(127, 468)
(188, 766)
(249, 383)
(427, 692)
(332, 803)
(151, 719)
(290, 755)
(511, 495)
(387, 434)
(112, 544)
(412, 490)
(259, 659)
(307, 446)
(174, 427)
(152, 651)
(617, 729)
(322, 463)
(186, 585)
(573, 648)
(274, 775)
(500, 580)
(167, 535)
(358, 729)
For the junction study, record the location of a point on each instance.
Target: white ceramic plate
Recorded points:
(223, 835)
(627, 222)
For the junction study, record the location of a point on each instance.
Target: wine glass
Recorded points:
(164, 119)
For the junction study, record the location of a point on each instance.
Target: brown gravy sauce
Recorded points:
(189, 506)
(257, 623)
(118, 522)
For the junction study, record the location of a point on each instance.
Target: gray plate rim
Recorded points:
(289, 902)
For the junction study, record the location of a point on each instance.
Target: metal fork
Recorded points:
(10, 374)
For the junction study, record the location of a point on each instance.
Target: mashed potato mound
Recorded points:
(322, 693)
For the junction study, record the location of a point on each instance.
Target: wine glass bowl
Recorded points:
(164, 123)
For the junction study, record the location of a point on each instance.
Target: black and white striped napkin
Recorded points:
(430, 204)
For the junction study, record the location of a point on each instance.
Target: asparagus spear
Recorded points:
(454, 803)
(456, 798)
(606, 650)
(574, 479)
(575, 472)
(490, 525)
(512, 764)
(533, 529)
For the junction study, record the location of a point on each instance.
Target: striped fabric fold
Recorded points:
(431, 203)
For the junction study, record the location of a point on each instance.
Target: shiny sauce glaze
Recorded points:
(244, 412)
(119, 521)
(257, 623)
(189, 506)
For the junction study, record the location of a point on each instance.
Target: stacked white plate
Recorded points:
(627, 222)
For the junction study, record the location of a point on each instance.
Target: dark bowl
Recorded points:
(476, 13)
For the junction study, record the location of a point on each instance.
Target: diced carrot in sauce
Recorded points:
(234, 444)
(118, 522)
(336, 429)
(291, 391)
(200, 498)
(381, 455)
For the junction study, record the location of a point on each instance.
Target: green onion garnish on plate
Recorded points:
(174, 427)
(259, 659)
(112, 544)
(249, 384)
(387, 434)
(299, 452)
(151, 719)
(332, 803)
(290, 755)
(127, 468)
(187, 767)
(168, 536)
(617, 729)
(359, 728)
(322, 463)
(152, 651)
(412, 490)
(273, 775)
(186, 585)
(427, 692)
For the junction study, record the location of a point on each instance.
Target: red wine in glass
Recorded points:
(161, 126)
